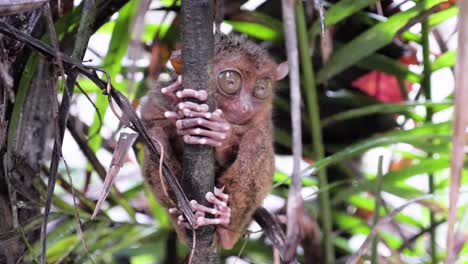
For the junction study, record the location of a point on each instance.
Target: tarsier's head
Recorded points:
(245, 78)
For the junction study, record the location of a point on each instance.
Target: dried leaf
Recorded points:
(124, 144)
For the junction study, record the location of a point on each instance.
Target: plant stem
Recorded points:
(426, 86)
(375, 219)
(314, 120)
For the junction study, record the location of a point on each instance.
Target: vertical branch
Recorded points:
(375, 218)
(81, 43)
(295, 207)
(198, 162)
(426, 86)
(314, 121)
(459, 125)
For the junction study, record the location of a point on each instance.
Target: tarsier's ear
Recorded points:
(282, 70)
(176, 61)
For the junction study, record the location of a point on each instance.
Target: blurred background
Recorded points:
(384, 76)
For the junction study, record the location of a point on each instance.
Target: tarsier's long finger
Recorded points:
(175, 212)
(210, 197)
(203, 221)
(171, 115)
(169, 90)
(187, 123)
(189, 93)
(201, 141)
(219, 192)
(218, 115)
(188, 113)
(216, 136)
(193, 107)
(181, 221)
(174, 115)
(204, 209)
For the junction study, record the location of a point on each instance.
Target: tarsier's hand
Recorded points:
(194, 121)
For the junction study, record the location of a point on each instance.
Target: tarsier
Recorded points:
(239, 129)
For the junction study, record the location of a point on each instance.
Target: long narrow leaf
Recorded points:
(368, 42)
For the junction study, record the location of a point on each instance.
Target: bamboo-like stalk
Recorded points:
(314, 120)
(376, 216)
(459, 126)
(426, 86)
(295, 204)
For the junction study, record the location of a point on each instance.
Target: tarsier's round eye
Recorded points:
(230, 81)
(263, 88)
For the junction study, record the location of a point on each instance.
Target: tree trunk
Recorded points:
(197, 71)
(26, 145)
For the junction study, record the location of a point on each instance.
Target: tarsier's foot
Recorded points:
(221, 211)
(194, 121)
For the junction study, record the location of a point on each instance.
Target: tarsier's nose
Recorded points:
(246, 108)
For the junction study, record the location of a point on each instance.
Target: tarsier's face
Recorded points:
(244, 90)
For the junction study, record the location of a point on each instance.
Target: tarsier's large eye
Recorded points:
(230, 81)
(263, 88)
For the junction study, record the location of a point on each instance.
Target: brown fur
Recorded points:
(245, 165)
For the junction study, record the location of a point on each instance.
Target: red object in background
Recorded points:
(384, 87)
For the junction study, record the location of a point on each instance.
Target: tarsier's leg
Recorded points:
(221, 211)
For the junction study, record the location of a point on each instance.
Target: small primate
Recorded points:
(240, 130)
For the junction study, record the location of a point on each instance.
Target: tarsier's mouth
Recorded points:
(238, 119)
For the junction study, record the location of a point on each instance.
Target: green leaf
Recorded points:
(369, 204)
(159, 213)
(447, 59)
(344, 9)
(380, 108)
(441, 131)
(391, 178)
(388, 65)
(283, 178)
(256, 30)
(370, 41)
(443, 15)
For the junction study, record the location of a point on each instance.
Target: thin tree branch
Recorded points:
(459, 125)
(295, 203)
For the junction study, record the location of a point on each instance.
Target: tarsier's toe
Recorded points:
(174, 212)
(201, 141)
(202, 221)
(210, 197)
(219, 192)
(221, 211)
